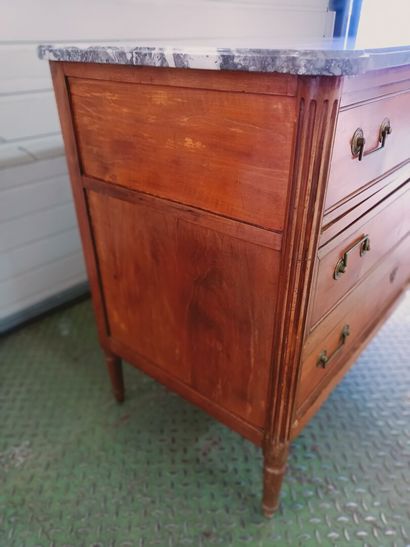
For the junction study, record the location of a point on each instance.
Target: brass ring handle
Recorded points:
(358, 140)
(341, 266)
(324, 359)
(357, 143)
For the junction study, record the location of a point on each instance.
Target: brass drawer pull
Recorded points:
(358, 140)
(324, 359)
(341, 266)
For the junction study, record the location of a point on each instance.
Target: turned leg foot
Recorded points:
(274, 467)
(114, 366)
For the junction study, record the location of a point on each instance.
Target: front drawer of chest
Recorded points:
(346, 259)
(346, 327)
(221, 151)
(351, 171)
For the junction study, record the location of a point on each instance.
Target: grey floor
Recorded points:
(76, 469)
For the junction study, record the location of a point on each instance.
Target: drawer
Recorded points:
(221, 151)
(343, 216)
(344, 260)
(343, 330)
(348, 175)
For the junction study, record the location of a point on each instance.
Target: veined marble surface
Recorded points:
(327, 57)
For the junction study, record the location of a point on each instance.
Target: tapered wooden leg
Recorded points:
(114, 366)
(274, 467)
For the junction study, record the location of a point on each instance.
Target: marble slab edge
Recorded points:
(309, 62)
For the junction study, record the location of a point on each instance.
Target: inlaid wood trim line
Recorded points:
(231, 227)
(63, 103)
(231, 420)
(216, 80)
(318, 101)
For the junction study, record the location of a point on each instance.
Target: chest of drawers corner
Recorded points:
(245, 234)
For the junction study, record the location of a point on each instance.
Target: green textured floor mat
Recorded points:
(77, 469)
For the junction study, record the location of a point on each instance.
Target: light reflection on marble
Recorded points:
(328, 57)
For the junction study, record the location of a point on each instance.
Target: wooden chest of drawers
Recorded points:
(245, 234)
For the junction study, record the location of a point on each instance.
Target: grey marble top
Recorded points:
(328, 57)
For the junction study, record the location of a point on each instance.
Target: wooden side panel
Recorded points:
(195, 301)
(225, 152)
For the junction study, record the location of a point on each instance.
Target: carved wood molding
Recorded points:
(318, 99)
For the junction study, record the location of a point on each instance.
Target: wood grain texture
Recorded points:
(225, 152)
(190, 299)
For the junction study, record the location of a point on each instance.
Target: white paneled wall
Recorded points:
(52, 20)
(40, 255)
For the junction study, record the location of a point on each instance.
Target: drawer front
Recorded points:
(221, 151)
(343, 261)
(348, 174)
(328, 347)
